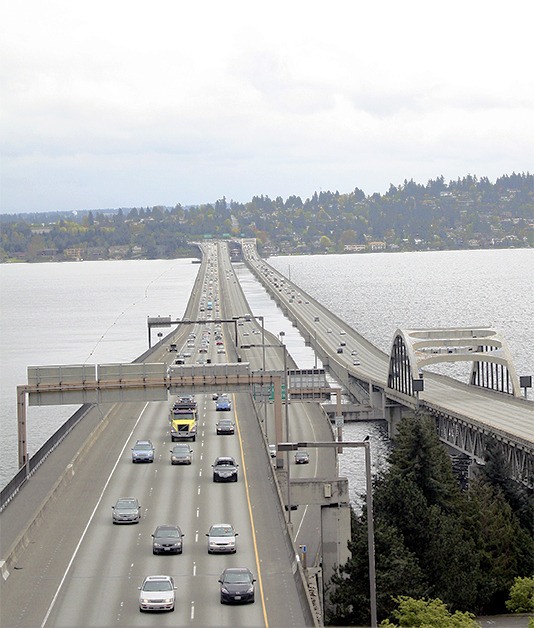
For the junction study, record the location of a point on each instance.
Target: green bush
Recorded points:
(521, 596)
(428, 614)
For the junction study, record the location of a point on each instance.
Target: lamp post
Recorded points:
(315, 349)
(282, 335)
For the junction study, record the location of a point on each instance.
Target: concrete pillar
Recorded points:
(393, 416)
(335, 532)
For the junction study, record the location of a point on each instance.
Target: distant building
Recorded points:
(354, 248)
(376, 246)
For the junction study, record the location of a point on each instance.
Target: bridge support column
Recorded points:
(393, 416)
(335, 536)
(377, 399)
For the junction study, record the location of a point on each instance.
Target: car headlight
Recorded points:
(144, 600)
(250, 589)
(168, 600)
(224, 590)
(157, 545)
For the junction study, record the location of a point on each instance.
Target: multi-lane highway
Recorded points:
(82, 570)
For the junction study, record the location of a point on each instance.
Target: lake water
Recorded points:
(95, 312)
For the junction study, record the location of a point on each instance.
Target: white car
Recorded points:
(157, 593)
(221, 539)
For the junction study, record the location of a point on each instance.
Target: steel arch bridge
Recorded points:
(491, 361)
(491, 368)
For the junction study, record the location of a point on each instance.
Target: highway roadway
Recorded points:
(82, 570)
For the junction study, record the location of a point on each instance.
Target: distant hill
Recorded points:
(467, 213)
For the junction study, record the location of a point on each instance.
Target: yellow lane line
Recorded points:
(260, 582)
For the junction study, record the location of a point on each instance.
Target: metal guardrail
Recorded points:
(20, 478)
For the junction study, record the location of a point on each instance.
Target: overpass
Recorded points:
(389, 386)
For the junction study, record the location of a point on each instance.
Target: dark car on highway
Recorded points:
(225, 469)
(225, 426)
(302, 457)
(167, 539)
(237, 585)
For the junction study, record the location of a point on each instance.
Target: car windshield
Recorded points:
(143, 446)
(157, 585)
(167, 533)
(180, 450)
(226, 461)
(126, 503)
(239, 577)
(222, 531)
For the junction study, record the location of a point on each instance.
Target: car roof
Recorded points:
(225, 459)
(167, 526)
(237, 570)
(143, 442)
(159, 577)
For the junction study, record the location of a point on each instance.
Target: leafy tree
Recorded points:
(521, 596)
(428, 614)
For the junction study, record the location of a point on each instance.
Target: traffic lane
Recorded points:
(104, 566)
(133, 557)
(275, 558)
(308, 423)
(31, 585)
(224, 503)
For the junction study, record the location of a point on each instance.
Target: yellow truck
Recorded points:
(183, 419)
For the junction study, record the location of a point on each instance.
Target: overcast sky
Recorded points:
(120, 103)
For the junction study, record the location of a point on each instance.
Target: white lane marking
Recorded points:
(196, 536)
(200, 473)
(192, 610)
(56, 594)
(198, 490)
(194, 569)
(198, 512)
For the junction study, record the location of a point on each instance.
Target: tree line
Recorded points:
(439, 215)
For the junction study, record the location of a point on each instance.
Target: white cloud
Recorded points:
(126, 103)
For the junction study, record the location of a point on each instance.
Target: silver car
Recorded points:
(181, 454)
(143, 451)
(221, 539)
(157, 593)
(126, 510)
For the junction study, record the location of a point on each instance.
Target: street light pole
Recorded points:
(265, 427)
(315, 349)
(370, 532)
(281, 335)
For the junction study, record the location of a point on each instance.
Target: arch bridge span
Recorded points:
(492, 366)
